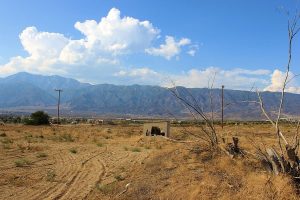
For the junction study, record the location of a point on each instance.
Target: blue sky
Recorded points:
(241, 43)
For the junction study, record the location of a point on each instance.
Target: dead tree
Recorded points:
(205, 121)
(194, 108)
(287, 161)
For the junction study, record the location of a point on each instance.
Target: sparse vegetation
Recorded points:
(6, 141)
(107, 188)
(100, 144)
(6, 146)
(22, 162)
(128, 161)
(136, 149)
(3, 135)
(50, 175)
(42, 155)
(66, 138)
(119, 178)
(73, 150)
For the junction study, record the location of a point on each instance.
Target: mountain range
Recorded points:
(29, 92)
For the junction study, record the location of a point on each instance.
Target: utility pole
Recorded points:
(222, 106)
(58, 103)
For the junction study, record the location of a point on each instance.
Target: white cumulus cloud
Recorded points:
(170, 49)
(277, 81)
(236, 78)
(100, 50)
(42, 44)
(137, 72)
(143, 75)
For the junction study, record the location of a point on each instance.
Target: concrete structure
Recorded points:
(164, 127)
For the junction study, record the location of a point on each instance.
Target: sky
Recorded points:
(194, 43)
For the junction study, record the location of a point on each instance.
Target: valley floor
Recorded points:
(117, 162)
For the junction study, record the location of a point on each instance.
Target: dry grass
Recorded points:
(96, 162)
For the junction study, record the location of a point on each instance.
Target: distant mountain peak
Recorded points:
(45, 82)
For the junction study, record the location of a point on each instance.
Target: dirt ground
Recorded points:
(117, 162)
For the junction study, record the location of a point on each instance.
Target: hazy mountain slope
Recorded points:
(135, 99)
(48, 83)
(23, 94)
(154, 100)
(25, 89)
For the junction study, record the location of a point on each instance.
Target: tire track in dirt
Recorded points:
(29, 172)
(38, 189)
(100, 178)
(65, 169)
(84, 181)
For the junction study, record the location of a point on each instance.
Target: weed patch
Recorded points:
(41, 155)
(50, 175)
(66, 138)
(3, 135)
(107, 189)
(136, 149)
(7, 146)
(119, 178)
(100, 144)
(6, 141)
(73, 150)
(22, 162)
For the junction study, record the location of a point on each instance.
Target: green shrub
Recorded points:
(136, 149)
(119, 178)
(100, 144)
(6, 141)
(50, 175)
(22, 162)
(41, 155)
(37, 118)
(107, 189)
(73, 150)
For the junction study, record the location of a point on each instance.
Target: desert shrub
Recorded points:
(136, 149)
(37, 118)
(30, 139)
(41, 155)
(100, 144)
(6, 146)
(22, 162)
(50, 175)
(21, 147)
(66, 138)
(73, 150)
(6, 141)
(3, 135)
(107, 137)
(119, 178)
(107, 189)
(40, 136)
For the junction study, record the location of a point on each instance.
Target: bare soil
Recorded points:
(97, 162)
